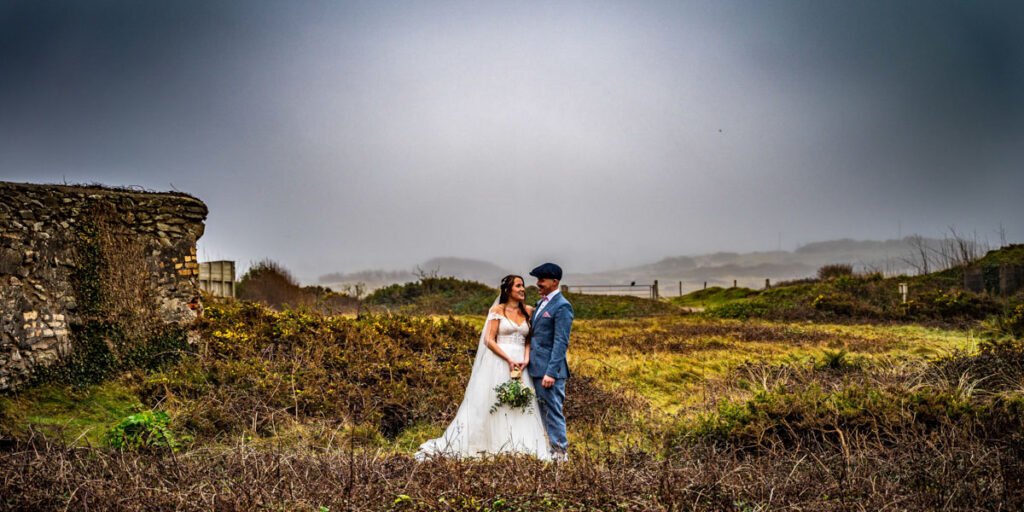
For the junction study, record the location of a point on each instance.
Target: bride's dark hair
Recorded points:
(506, 289)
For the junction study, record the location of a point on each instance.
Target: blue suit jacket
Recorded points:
(550, 339)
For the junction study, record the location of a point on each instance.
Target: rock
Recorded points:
(10, 261)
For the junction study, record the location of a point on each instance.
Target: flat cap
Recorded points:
(547, 271)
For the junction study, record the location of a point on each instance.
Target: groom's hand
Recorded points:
(547, 381)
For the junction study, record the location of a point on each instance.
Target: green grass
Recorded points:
(673, 373)
(1011, 254)
(79, 416)
(714, 296)
(617, 306)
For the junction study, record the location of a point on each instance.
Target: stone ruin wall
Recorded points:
(40, 231)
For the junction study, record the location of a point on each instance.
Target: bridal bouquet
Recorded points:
(513, 394)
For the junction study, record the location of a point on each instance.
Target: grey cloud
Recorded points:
(336, 136)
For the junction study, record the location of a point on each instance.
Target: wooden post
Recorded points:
(767, 283)
(734, 283)
(680, 288)
(705, 285)
(904, 288)
(654, 289)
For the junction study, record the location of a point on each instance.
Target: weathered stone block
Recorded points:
(39, 227)
(10, 261)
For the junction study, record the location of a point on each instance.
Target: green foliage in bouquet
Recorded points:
(513, 394)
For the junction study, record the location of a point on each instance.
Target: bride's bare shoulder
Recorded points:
(496, 309)
(529, 310)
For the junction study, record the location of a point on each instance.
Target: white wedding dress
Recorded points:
(476, 431)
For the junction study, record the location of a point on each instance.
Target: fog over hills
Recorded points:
(748, 269)
(462, 268)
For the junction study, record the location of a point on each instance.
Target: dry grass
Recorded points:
(946, 471)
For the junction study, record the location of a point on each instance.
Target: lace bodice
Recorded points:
(508, 331)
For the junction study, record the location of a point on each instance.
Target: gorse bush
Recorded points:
(436, 295)
(388, 372)
(839, 294)
(834, 271)
(385, 374)
(1007, 327)
(976, 395)
(271, 284)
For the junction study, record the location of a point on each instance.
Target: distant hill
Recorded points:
(750, 269)
(889, 257)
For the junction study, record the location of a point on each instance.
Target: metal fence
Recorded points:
(637, 290)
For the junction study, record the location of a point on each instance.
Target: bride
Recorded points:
(503, 348)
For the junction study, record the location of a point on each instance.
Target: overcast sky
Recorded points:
(340, 136)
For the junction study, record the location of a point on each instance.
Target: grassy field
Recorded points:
(287, 410)
(672, 361)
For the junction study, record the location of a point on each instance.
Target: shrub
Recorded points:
(436, 295)
(955, 306)
(147, 430)
(1005, 327)
(835, 270)
(844, 305)
(836, 359)
(384, 371)
(740, 310)
(270, 283)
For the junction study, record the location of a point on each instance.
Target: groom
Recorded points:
(552, 322)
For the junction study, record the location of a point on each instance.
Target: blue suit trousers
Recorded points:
(549, 404)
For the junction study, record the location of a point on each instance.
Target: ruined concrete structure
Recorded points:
(45, 236)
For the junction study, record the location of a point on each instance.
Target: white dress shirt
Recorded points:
(547, 298)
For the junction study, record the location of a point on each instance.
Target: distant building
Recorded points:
(217, 278)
